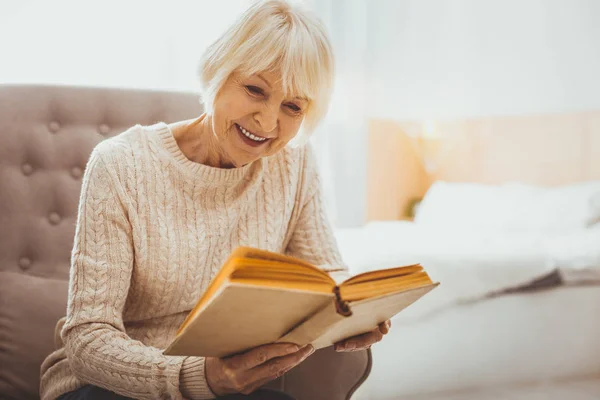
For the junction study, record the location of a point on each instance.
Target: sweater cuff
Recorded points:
(192, 380)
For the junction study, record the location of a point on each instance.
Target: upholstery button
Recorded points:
(76, 172)
(25, 263)
(103, 129)
(54, 218)
(27, 169)
(54, 126)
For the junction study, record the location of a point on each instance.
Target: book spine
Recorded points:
(342, 307)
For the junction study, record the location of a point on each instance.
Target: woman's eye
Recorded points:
(254, 90)
(293, 107)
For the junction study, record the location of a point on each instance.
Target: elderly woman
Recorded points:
(162, 207)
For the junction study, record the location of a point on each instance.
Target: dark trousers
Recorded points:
(90, 392)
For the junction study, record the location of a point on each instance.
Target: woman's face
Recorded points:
(252, 118)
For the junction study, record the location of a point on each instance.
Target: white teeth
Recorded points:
(251, 136)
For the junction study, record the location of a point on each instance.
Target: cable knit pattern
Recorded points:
(153, 229)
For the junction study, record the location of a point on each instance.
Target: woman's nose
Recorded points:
(267, 118)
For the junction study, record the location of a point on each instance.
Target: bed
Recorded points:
(517, 314)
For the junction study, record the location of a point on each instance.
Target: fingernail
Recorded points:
(292, 348)
(388, 324)
(309, 349)
(350, 346)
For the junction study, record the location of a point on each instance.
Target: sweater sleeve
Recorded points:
(312, 238)
(98, 349)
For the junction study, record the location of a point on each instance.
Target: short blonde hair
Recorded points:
(274, 35)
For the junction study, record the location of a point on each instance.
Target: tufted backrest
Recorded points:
(46, 136)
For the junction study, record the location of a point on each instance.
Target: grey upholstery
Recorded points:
(46, 136)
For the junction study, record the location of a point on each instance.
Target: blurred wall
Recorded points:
(462, 58)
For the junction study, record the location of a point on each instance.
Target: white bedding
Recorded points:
(507, 347)
(471, 264)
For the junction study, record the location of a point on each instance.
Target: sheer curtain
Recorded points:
(342, 138)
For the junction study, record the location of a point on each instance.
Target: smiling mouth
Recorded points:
(250, 138)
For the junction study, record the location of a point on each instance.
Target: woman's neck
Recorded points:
(197, 141)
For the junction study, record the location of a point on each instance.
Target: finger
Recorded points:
(278, 366)
(384, 327)
(362, 341)
(345, 345)
(367, 339)
(261, 354)
(340, 346)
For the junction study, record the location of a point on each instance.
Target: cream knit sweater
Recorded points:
(153, 228)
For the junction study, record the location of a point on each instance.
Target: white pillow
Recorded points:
(510, 207)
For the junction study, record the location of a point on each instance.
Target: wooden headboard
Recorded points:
(548, 150)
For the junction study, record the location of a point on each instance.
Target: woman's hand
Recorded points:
(244, 373)
(365, 340)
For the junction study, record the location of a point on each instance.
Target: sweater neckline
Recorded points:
(201, 171)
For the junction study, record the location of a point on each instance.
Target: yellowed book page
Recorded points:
(273, 282)
(382, 274)
(250, 252)
(367, 289)
(253, 266)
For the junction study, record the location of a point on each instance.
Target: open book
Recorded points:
(259, 297)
